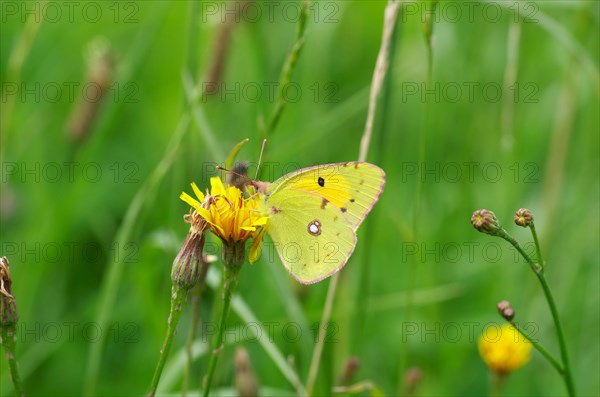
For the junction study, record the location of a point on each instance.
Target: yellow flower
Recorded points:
(233, 218)
(503, 349)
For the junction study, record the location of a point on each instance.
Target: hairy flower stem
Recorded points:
(178, 299)
(537, 246)
(540, 349)
(539, 272)
(233, 264)
(8, 340)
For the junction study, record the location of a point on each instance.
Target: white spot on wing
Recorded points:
(314, 227)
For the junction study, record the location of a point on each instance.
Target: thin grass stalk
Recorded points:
(562, 35)
(112, 277)
(370, 234)
(381, 67)
(13, 75)
(318, 350)
(422, 150)
(110, 284)
(510, 81)
(288, 69)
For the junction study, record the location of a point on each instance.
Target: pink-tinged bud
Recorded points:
(246, 383)
(187, 265)
(523, 217)
(486, 222)
(506, 310)
(8, 307)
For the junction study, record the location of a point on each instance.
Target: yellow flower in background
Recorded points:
(503, 349)
(233, 218)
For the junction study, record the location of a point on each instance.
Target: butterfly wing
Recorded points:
(352, 187)
(312, 241)
(314, 214)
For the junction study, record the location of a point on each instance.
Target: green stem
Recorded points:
(559, 333)
(178, 299)
(498, 381)
(316, 358)
(538, 270)
(229, 282)
(537, 246)
(288, 68)
(9, 339)
(540, 348)
(196, 298)
(185, 382)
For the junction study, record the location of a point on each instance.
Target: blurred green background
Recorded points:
(90, 208)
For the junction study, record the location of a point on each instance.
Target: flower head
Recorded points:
(230, 216)
(503, 349)
(523, 217)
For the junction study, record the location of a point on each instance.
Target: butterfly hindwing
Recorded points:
(353, 187)
(312, 240)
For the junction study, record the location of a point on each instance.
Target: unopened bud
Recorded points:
(412, 379)
(486, 222)
(245, 380)
(523, 217)
(8, 307)
(186, 269)
(506, 310)
(350, 369)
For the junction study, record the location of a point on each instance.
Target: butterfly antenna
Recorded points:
(260, 157)
(232, 172)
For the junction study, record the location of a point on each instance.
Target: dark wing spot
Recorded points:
(337, 235)
(355, 165)
(321, 182)
(352, 200)
(345, 164)
(335, 218)
(324, 203)
(344, 209)
(362, 181)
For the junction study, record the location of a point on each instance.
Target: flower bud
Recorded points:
(186, 269)
(245, 380)
(508, 314)
(506, 310)
(412, 379)
(350, 369)
(8, 307)
(486, 222)
(523, 217)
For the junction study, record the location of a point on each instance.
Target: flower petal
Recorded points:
(197, 191)
(256, 247)
(190, 200)
(216, 186)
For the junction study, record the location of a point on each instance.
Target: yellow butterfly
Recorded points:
(314, 213)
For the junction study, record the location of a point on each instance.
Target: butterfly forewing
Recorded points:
(352, 187)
